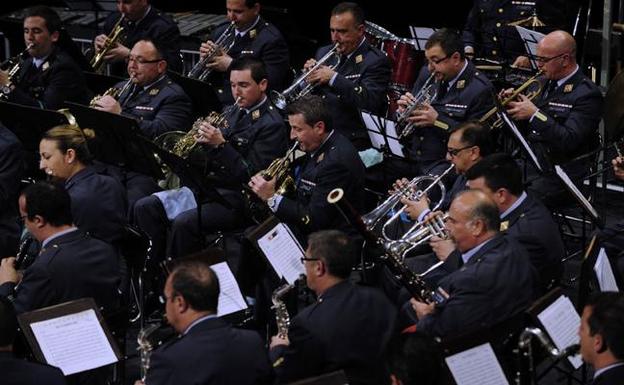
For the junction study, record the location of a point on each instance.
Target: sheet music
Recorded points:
(476, 366)
(376, 127)
(575, 191)
(74, 343)
(530, 39)
(283, 252)
(230, 297)
(420, 36)
(604, 273)
(561, 322)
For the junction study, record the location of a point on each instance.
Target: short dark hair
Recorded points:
(160, 49)
(52, 19)
(484, 209)
(606, 319)
(407, 349)
(313, 108)
(353, 8)
(473, 133)
(253, 64)
(197, 283)
(498, 171)
(8, 322)
(50, 201)
(448, 39)
(335, 249)
(251, 3)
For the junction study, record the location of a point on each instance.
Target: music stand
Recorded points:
(29, 123)
(421, 35)
(57, 335)
(117, 140)
(205, 99)
(516, 134)
(530, 39)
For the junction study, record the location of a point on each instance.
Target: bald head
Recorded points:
(473, 219)
(560, 41)
(556, 55)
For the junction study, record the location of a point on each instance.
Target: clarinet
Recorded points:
(414, 284)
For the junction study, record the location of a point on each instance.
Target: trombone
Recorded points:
(301, 87)
(373, 218)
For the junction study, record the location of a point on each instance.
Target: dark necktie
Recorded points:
(550, 89)
(443, 87)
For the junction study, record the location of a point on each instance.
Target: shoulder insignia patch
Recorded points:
(154, 91)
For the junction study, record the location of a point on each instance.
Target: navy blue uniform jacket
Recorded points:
(211, 353)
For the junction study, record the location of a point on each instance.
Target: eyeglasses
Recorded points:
(438, 61)
(544, 60)
(303, 259)
(141, 61)
(23, 218)
(163, 298)
(454, 151)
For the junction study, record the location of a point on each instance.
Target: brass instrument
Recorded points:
(418, 235)
(145, 348)
(426, 95)
(113, 92)
(415, 285)
(13, 66)
(223, 45)
(301, 87)
(279, 169)
(282, 319)
(113, 38)
(531, 95)
(183, 143)
(410, 191)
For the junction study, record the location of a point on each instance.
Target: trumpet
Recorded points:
(279, 169)
(373, 218)
(224, 43)
(301, 87)
(114, 92)
(426, 95)
(531, 95)
(13, 66)
(114, 37)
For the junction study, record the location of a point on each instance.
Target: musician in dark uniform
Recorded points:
(330, 162)
(255, 136)
(523, 217)
(563, 119)
(208, 350)
(141, 21)
(360, 80)
(493, 279)
(252, 36)
(17, 371)
(11, 169)
(71, 264)
(601, 331)
(159, 104)
(98, 201)
(347, 328)
(461, 93)
(49, 77)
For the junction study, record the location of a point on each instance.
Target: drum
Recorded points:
(406, 61)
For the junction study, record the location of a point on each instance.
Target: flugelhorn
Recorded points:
(419, 234)
(114, 92)
(425, 95)
(413, 282)
(114, 37)
(13, 66)
(514, 94)
(223, 44)
(410, 191)
(301, 87)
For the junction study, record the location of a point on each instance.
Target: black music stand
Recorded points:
(117, 140)
(29, 123)
(205, 99)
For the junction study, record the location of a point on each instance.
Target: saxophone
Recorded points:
(145, 348)
(13, 66)
(282, 319)
(113, 38)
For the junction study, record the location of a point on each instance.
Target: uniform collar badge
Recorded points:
(359, 58)
(253, 33)
(568, 88)
(320, 158)
(45, 65)
(255, 114)
(154, 91)
(504, 226)
(461, 84)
